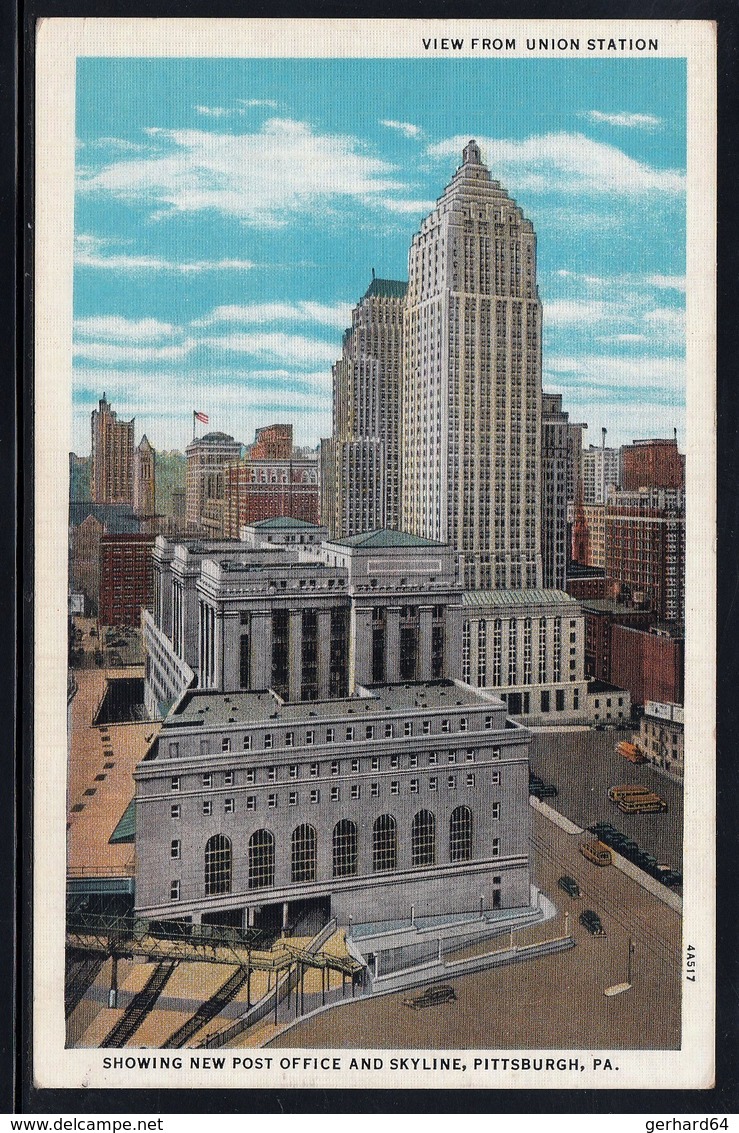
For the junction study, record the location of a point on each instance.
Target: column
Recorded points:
(261, 649)
(324, 653)
(360, 647)
(392, 644)
(218, 648)
(423, 668)
(295, 664)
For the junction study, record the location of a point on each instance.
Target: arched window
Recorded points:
(423, 838)
(460, 834)
(217, 865)
(304, 853)
(261, 859)
(384, 843)
(345, 848)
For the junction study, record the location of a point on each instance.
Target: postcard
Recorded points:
(375, 572)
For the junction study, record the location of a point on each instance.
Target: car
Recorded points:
(602, 828)
(592, 922)
(569, 885)
(671, 877)
(432, 997)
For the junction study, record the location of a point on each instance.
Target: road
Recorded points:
(583, 765)
(555, 1002)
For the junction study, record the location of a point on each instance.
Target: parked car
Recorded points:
(432, 997)
(569, 885)
(596, 853)
(592, 922)
(671, 877)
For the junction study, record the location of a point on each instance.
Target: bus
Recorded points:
(631, 752)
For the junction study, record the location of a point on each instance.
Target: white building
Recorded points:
(601, 470)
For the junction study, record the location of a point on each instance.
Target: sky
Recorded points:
(229, 214)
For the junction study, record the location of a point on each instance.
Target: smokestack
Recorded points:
(604, 431)
(674, 433)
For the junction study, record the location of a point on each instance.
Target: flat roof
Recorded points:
(218, 709)
(282, 521)
(533, 597)
(384, 537)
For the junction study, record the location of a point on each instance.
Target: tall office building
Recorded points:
(144, 490)
(652, 464)
(205, 481)
(360, 464)
(601, 470)
(112, 456)
(471, 405)
(555, 451)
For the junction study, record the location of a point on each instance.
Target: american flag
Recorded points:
(202, 417)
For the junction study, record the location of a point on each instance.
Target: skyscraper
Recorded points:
(471, 404)
(360, 465)
(205, 480)
(112, 456)
(555, 468)
(144, 491)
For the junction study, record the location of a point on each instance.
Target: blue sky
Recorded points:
(229, 213)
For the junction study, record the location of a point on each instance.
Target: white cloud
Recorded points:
(613, 371)
(668, 282)
(219, 111)
(89, 252)
(257, 177)
(336, 315)
(117, 329)
(288, 349)
(623, 118)
(574, 312)
(268, 102)
(572, 164)
(406, 128)
(108, 353)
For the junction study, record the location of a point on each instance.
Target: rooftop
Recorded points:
(504, 598)
(218, 709)
(386, 289)
(383, 537)
(281, 521)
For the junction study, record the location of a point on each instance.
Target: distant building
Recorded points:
(661, 737)
(360, 464)
(555, 455)
(607, 703)
(266, 487)
(125, 578)
(112, 456)
(602, 615)
(649, 662)
(601, 470)
(205, 482)
(652, 464)
(272, 442)
(88, 522)
(585, 582)
(645, 548)
(144, 490)
(594, 518)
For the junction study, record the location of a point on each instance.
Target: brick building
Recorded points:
(257, 489)
(652, 464)
(602, 615)
(645, 548)
(125, 578)
(649, 662)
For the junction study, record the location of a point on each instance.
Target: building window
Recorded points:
(495, 778)
(495, 811)
(559, 700)
(384, 843)
(174, 890)
(433, 758)
(350, 732)
(251, 802)
(433, 783)
(452, 757)
(228, 779)
(408, 728)
(445, 725)
(545, 700)
(374, 790)
(388, 731)
(174, 750)
(309, 736)
(375, 763)
(315, 795)
(495, 848)
(423, 839)
(426, 727)
(175, 783)
(413, 761)
(345, 853)
(251, 774)
(355, 791)
(314, 769)
(451, 782)
(463, 724)
(292, 798)
(334, 794)
(303, 853)
(271, 800)
(488, 721)
(247, 743)
(229, 806)
(225, 744)
(576, 698)
(394, 787)
(460, 834)
(355, 765)
(208, 780)
(268, 739)
(207, 806)
(271, 774)
(329, 735)
(335, 767)
(293, 770)
(470, 779)
(495, 753)
(174, 849)
(289, 739)
(395, 761)
(369, 732)
(261, 859)
(217, 865)
(414, 786)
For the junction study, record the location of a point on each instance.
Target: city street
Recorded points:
(556, 1002)
(584, 764)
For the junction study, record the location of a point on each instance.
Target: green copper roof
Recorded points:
(386, 289)
(516, 598)
(126, 828)
(282, 521)
(385, 538)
